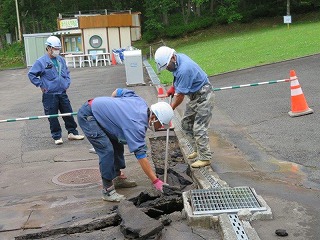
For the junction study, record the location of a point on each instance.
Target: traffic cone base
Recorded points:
(297, 114)
(299, 104)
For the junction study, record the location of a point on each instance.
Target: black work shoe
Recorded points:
(123, 183)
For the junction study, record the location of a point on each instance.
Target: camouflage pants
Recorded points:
(196, 119)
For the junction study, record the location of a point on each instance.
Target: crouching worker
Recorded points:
(111, 122)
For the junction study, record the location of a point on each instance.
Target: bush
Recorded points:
(174, 31)
(12, 55)
(149, 36)
(303, 7)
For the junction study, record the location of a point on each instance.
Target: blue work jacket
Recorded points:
(50, 77)
(125, 118)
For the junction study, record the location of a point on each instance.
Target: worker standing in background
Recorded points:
(51, 74)
(111, 122)
(189, 79)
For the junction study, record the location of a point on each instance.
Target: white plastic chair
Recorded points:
(86, 58)
(101, 57)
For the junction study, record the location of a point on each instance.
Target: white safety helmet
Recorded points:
(54, 42)
(163, 112)
(163, 56)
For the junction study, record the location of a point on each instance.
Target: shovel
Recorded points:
(167, 149)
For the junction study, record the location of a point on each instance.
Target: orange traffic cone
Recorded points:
(162, 97)
(299, 104)
(161, 94)
(113, 60)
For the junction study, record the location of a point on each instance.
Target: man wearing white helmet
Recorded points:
(189, 79)
(111, 122)
(51, 74)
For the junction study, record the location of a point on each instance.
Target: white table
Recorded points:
(73, 58)
(90, 58)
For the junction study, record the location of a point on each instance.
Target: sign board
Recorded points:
(68, 23)
(287, 19)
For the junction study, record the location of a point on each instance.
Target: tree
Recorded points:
(228, 11)
(157, 15)
(8, 22)
(198, 4)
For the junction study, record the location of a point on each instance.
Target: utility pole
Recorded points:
(18, 20)
(288, 17)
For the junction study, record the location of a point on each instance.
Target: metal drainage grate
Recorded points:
(78, 177)
(224, 200)
(237, 227)
(211, 180)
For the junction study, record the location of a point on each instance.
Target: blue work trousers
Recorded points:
(109, 150)
(52, 104)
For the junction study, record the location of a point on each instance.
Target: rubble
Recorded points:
(136, 224)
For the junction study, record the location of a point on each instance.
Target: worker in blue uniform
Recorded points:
(51, 74)
(111, 122)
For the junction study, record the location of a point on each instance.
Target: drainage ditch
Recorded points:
(178, 171)
(155, 205)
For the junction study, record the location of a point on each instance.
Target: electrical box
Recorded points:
(133, 66)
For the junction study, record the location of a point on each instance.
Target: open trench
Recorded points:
(153, 204)
(177, 177)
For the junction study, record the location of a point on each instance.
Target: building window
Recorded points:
(73, 43)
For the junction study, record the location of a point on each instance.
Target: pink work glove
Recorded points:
(158, 184)
(171, 91)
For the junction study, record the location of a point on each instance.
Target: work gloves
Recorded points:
(166, 189)
(158, 184)
(171, 91)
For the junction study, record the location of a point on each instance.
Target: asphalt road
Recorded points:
(256, 119)
(268, 150)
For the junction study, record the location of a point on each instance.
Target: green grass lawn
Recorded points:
(241, 50)
(240, 46)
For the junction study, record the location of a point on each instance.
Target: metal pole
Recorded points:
(39, 117)
(18, 20)
(251, 85)
(166, 158)
(150, 50)
(167, 149)
(288, 10)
